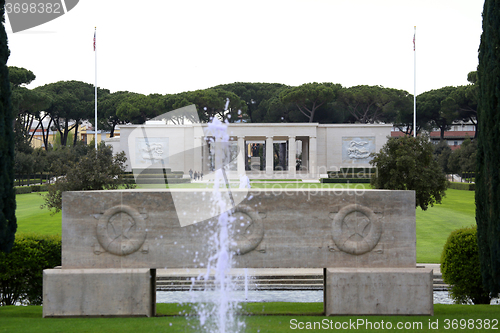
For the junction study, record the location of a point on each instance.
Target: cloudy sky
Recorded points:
(170, 46)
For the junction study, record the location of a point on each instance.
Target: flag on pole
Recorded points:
(414, 85)
(413, 39)
(95, 92)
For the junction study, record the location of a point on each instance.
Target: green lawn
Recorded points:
(30, 218)
(436, 223)
(433, 225)
(258, 317)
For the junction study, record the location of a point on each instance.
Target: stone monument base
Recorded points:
(378, 291)
(112, 242)
(99, 292)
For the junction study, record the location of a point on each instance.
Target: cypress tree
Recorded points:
(8, 223)
(488, 154)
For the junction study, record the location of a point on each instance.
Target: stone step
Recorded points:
(440, 287)
(262, 282)
(242, 278)
(241, 287)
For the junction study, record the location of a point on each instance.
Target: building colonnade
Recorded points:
(204, 154)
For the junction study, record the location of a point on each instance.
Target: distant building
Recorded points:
(458, 132)
(299, 150)
(85, 134)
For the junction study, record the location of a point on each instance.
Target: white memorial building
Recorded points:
(299, 150)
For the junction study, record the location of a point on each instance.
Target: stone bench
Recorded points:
(365, 240)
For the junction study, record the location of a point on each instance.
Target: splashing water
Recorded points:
(218, 313)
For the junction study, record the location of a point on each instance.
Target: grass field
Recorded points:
(30, 218)
(259, 317)
(436, 223)
(433, 225)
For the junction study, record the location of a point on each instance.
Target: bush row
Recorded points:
(462, 186)
(21, 271)
(169, 175)
(32, 188)
(152, 171)
(158, 181)
(345, 180)
(352, 173)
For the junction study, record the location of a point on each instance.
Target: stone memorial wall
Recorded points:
(121, 232)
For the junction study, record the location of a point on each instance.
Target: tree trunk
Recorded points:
(76, 134)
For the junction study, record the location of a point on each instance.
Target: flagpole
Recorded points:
(414, 85)
(95, 90)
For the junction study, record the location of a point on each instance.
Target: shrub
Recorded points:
(346, 180)
(460, 268)
(94, 171)
(407, 163)
(32, 188)
(23, 189)
(352, 173)
(39, 188)
(462, 186)
(21, 271)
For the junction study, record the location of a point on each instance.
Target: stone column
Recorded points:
(246, 156)
(313, 154)
(197, 155)
(291, 155)
(269, 155)
(305, 154)
(282, 156)
(241, 155)
(205, 158)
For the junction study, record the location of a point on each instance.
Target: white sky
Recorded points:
(170, 46)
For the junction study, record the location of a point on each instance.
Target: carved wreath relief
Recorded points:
(121, 230)
(247, 230)
(356, 229)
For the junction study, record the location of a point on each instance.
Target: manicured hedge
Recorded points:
(21, 271)
(162, 181)
(346, 180)
(39, 188)
(32, 188)
(462, 186)
(23, 189)
(461, 269)
(352, 173)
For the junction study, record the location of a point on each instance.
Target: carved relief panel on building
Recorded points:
(357, 150)
(149, 151)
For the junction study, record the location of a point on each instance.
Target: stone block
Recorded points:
(378, 291)
(99, 292)
(281, 228)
